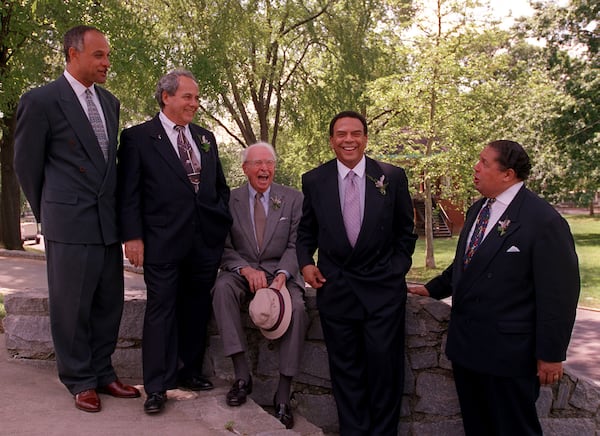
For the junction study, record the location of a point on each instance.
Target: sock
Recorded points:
(240, 366)
(283, 390)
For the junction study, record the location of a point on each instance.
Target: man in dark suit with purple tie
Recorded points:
(174, 216)
(358, 213)
(514, 285)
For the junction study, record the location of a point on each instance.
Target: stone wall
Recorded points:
(430, 405)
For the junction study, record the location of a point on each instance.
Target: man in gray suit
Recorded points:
(65, 148)
(249, 265)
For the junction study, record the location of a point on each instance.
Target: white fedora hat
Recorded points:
(271, 311)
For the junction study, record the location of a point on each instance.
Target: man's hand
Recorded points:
(278, 281)
(313, 276)
(549, 372)
(134, 252)
(256, 278)
(418, 290)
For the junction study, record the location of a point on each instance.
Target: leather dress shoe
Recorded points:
(119, 390)
(238, 392)
(195, 383)
(283, 412)
(155, 402)
(88, 401)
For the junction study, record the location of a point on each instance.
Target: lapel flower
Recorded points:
(275, 202)
(503, 226)
(380, 183)
(204, 143)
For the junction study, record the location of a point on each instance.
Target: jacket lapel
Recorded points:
(274, 213)
(241, 212)
(80, 123)
(163, 146)
(374, 201)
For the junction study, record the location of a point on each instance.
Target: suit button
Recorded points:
(489, 275)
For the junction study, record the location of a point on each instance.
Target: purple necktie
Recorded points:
(479, 231)
(188, 158)
(351, 210)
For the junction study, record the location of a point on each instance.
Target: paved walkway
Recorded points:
(33, 401)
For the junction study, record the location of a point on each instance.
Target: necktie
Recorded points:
(188, 158)
(96, 122)
(259, 219)
(479, 231)
(351, 210)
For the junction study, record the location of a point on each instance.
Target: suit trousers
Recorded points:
(366, 362)
(501, 406)
(231, 293)
(85, 285)
(177, 314)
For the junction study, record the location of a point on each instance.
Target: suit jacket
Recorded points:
(60, 166)
(516, 301)
(279, 243)
(156, 200)
(374, 270)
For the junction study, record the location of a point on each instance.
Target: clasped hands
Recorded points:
(257, 279)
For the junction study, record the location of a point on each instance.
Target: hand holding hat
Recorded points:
(271, 311)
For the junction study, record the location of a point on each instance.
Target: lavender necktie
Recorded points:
(96, 122)
(351, 210)
(479, 231)
(188, 158)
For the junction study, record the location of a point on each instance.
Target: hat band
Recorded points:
(281, 310)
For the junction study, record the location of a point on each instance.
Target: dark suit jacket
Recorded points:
(279, 246)
(157, 202)
(70, 188)
(374, 270)
(516, 301)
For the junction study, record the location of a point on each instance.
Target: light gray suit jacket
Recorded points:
(279, 246)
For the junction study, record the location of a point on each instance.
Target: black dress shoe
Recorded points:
(195, 383)
(238, 392)
(283, 412)
(155, 402)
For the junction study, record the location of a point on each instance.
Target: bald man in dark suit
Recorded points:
(65, 159)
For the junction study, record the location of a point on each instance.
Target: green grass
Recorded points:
(586, 231)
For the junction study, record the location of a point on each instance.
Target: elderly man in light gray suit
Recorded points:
(250, 264)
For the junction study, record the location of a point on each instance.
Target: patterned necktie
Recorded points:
(96, 122)
(188, 158)
(260, 219)
(479, 231)
(351, 210)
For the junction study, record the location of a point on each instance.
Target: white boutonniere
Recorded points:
(503, 226)
(380, 183)
(204, 143)
(275, 202)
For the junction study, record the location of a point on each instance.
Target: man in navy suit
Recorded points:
(174, 216)
(67, 169)
(365, 247)
(513, 299)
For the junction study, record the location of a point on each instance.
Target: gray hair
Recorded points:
(169, 83)
(262, 144)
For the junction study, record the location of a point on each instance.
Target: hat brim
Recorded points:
(279, 329)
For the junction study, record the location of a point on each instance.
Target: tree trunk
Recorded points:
(592, 207)
(10, 193)
(429, 253)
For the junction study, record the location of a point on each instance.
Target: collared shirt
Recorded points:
(359, 170)
(79, 90)
(498, 208)
(264, 201)
(169, 127)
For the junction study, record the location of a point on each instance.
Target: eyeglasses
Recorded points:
(259, 163)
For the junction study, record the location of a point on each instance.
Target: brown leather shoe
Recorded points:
(88, 401)
(119, 390)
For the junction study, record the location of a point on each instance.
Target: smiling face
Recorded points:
(259, 167)
(348, 141)
(90, 65)
(181, 106)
